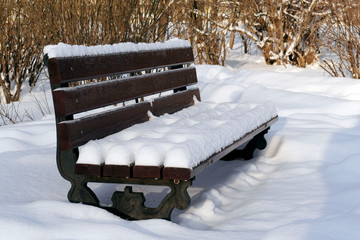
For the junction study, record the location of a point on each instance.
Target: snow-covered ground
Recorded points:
(304, 185)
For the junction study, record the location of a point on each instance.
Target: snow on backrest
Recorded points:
(66, 50)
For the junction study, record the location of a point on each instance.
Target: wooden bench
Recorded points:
(83, 85)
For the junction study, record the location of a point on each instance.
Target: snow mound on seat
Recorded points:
(183, 139)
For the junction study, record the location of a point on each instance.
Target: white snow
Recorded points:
(183, 139)
(304, 185)
(66, 50)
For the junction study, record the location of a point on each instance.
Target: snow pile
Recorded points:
(182, 139)
(66, 50)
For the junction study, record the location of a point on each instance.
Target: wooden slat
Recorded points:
(88, 169)
(183, 174)
(147, 172)
(77, 132)
(174, 102)
(116, 171)
(63, 70)
(176, 173)
(91, 96)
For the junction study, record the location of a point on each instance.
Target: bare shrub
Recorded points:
(27, 26)
(42, 103)
(343, 39)
(103, 22)
(11, 114)
(284, 31)
(205, 24)
(21, 54)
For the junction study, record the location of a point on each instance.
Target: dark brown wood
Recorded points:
(116, 171)
(147, 171)
(77, 132)
(91, 96)
(63, 70)
(176, 173)
(88, 169)
(74, 133)
(54, 72)
(174, 102)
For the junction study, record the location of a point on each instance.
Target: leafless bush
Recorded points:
(15, 112)
(42, 103)
(93, 22)
(343, 39)
(198, 21)
(27, 26)
(11, 114)
(20, 59)
(284, 31)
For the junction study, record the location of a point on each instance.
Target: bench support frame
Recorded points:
(131, 205)
(126, 204)
(247, 153)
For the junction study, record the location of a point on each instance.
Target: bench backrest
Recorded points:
(81, 84)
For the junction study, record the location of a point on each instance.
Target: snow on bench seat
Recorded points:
(179, 140)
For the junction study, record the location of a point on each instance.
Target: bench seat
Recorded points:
(180, 140)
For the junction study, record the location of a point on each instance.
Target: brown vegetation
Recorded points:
(286, 32)
(20, 48)
(343, 39)
(30, 25)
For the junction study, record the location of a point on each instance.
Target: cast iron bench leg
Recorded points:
(247, 153)
(132, 205)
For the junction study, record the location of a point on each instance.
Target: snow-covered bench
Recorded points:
(131, 113)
